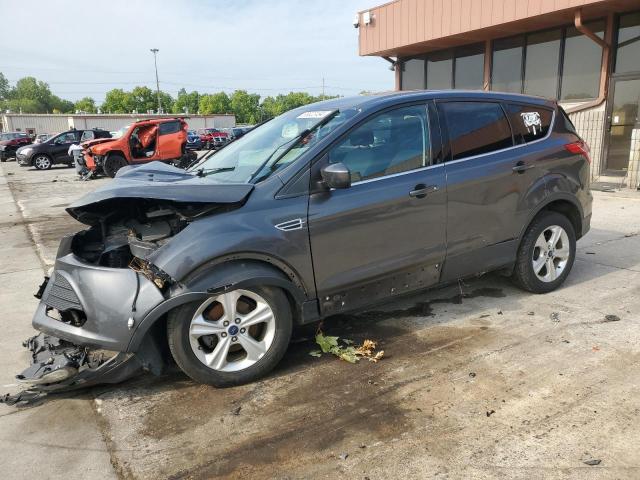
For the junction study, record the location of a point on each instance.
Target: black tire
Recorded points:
(113, 163)
(179, 321)
(42, 161)
(524, 275)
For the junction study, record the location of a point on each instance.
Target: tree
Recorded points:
(86, 104)
(215, 103)
(4, 87)
(246, 106)
(186, 101)
(115, 101)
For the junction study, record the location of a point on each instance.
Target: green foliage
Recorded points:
(346, 352)
(215, 103)
(246, 106)
(186, 101)
(30, 95)
(86, 104)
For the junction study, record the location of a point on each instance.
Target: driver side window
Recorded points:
(391, 142)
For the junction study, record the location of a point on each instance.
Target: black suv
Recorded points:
(327, 208)
(56, 149)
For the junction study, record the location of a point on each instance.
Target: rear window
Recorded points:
(169, 127)
(529, 122)
(475, 128)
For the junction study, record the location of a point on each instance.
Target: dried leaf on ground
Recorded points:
(347, 352)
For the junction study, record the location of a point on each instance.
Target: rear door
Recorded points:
(170, 139)
(495, 177)
(386, 233)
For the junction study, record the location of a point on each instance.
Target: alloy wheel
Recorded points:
(551, 253)
(42, 162)
(232, 331)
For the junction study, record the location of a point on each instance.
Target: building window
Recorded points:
(440, 70)
(475, 128)
(541, 63)
(506, 73)
(469, 67)
(582, 63)
(412, 77)
(628, 48)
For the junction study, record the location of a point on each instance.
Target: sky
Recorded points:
(85, 48)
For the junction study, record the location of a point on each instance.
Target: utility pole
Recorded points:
(155, 62)
(322, 88)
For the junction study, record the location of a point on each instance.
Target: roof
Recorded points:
(391, 98)
(410, 27)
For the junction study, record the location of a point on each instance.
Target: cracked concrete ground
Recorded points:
(480, 380)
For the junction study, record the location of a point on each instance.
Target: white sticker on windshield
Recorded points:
(531, 121)
(315, 114)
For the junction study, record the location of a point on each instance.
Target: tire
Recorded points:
(220, 358)
(546, 253)
(42, 162)
(113, 163)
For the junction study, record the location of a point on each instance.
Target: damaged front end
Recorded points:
(104, 282)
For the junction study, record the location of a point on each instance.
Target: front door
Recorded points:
(60, 149)
(385, 234)
(623, 122)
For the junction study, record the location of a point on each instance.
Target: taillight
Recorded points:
(579, 148)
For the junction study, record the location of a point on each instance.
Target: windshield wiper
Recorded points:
(201, 172)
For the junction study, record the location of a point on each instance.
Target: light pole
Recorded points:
(155, 62)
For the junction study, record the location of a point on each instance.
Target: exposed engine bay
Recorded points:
(131, 230)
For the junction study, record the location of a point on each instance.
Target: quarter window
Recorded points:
(391, 142)
(528, 122)
(475, 128)
(86, 135)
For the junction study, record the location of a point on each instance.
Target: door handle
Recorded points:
(421, 190)
(521, 167)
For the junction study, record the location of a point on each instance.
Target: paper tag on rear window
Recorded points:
(315, 114)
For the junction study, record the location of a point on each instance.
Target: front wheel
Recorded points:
(42, 162)
(546, 254)
(112, 164)
(232, 338)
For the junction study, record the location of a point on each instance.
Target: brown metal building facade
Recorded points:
(584, 53)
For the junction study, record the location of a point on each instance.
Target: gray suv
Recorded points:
(327, 208)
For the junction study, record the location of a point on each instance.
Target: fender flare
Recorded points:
(219, 279)
(554, 197)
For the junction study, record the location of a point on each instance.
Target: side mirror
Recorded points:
(336, 175)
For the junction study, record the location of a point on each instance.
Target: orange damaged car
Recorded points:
(144, 141)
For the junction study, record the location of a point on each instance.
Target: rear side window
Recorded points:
(475, 128)
(391, 142)
(86, 135)
(529, 122)
(169, 127)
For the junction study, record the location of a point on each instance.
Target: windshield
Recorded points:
(121, 132)
(271, 146)
(6, 136)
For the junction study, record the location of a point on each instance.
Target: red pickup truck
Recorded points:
(213, 138)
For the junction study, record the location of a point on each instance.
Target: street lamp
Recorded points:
(155, 62)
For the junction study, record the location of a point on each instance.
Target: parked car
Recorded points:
(193, 140)
(42, 137)
(145, 141)
(328, 208)
(55, 150)
(10, 142)
(213, 138)
(237, 132)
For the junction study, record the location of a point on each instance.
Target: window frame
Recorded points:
(428, 154)
(161, 133)
(444, 129)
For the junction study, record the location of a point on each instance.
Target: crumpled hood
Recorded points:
(96, 141)
(158, 181)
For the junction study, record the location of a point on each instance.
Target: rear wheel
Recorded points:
(232, 338)
(42, 162)
(546, 254)
(113, 163)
